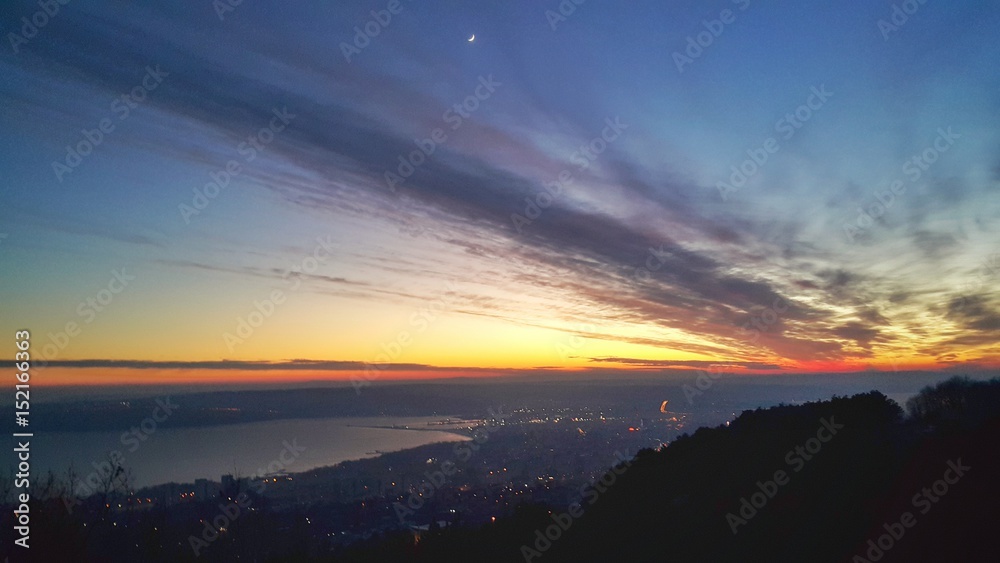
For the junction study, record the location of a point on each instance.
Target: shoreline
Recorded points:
(169, 448)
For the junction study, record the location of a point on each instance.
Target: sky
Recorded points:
(419, 189)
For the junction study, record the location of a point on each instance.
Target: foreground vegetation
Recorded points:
(849, 479)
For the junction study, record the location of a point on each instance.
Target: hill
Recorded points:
(849, 479)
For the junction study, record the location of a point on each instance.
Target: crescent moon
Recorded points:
(473, 38)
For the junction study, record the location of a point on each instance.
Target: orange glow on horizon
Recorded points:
(62, 376)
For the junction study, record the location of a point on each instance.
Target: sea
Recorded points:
(182, 455)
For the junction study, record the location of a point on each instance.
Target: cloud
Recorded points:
(465, 191)
(290, 365)
(860, 333)
(974, 313)
(934, 245)
(716, 266)
(688, 363)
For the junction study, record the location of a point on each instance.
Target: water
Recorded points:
(185, 454)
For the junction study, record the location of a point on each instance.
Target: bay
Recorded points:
(184, 454)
